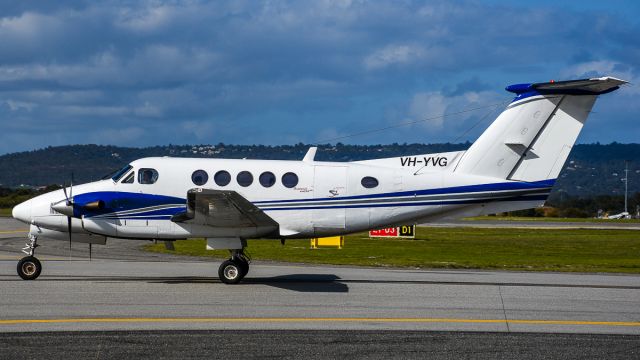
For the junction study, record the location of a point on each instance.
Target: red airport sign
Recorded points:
(404, 231)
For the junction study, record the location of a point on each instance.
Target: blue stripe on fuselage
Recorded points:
(404, 204)
(421, 203)
(450, 190)
(126, 201)
(116, 201)
(154, 213)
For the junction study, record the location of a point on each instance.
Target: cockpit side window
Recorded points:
(147, 176)
(121, 173)
(129, 178)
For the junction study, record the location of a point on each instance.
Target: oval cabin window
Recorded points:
(289, 180)
(199, 177)
(369, 182)
(244, 178)
(267, 179)
(222, 178)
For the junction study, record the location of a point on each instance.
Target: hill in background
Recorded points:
(592, 169)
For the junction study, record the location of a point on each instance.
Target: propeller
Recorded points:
(67, 207)
(69, 204)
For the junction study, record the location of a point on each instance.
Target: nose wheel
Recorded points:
(29, 267)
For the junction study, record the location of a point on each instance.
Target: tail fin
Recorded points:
(532, 138)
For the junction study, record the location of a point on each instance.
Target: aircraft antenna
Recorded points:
(482, 119)
(405, 123)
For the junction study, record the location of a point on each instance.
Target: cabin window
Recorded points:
(369, 182)
(147, 176)
(267, 179)
(289, 180)
(199, 177)
(129, 179)
(244, 178)
(222, 178)
(121, 173)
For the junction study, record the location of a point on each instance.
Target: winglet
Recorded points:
(311, 154)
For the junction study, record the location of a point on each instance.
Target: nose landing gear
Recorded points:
(232, 271)
(29, 267)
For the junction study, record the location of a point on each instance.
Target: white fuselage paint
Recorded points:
(329, 198)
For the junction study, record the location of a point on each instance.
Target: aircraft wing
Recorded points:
(222, 208)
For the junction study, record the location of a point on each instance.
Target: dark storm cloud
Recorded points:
(141, 73)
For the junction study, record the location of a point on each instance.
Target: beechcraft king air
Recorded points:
(512, 166)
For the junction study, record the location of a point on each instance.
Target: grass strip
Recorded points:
(549, 219)
(580, 250)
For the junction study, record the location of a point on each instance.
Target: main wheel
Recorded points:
(244, 267)
(29, 268)
(230, 272)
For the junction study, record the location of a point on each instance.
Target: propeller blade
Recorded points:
(71, 187)
(64, 189)
(69, 203)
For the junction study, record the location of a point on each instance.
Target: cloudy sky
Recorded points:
(138, 73)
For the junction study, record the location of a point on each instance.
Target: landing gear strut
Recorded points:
(29, 267)
(232, 271)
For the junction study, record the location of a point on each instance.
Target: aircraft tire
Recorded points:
(230, 272)
(29, 268)
(244, 265)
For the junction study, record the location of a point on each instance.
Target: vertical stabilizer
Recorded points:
(531, 139)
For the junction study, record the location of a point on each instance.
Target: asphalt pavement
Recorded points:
(295, 344)
(149, 305)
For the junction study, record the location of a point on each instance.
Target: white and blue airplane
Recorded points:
(512, 166)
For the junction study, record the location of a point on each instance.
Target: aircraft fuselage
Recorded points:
(328, 198)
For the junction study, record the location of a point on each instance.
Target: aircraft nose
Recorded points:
(22, 211)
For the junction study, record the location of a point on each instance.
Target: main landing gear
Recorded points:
(232, 271)
(29, 267)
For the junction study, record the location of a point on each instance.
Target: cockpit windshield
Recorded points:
(121, 173)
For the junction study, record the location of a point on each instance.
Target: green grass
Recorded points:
(5, 211)
(465, 248)
(549, 219)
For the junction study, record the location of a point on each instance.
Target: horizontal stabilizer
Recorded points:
(594, 86)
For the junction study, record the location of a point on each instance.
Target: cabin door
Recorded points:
(329, 185)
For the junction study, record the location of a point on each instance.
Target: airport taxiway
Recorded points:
(287, 310)
(127, 289)
(136, 295)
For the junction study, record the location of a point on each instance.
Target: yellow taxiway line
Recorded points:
(14, 231)
(317, 320)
